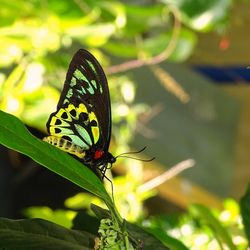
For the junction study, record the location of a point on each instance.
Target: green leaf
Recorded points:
(13, 10)
(67, 9)
(153, 46)
(124, 49)
(220, 233)
(60, 217)
(99, 212)
(202, 15)
(183, 48)
(245, 212)
(90, 224)
(147, 240)
(143, 11)
(40, 234)
(14, 135)
(151, 16)
(93, 35)
(167, 240)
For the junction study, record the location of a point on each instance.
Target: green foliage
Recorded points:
(40, 234)
(245, 211)
(60, 217)
(173, 243)
(38, 40)
(14, 135)
(203, 15)
(201, 228)
(221, 234)
(197, 229)
(110, 236)
(127, 195)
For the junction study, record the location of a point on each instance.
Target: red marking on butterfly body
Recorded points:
(98, 154)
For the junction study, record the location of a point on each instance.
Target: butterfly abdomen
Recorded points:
(65, 145)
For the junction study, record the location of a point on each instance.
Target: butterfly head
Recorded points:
(104, 157)
(100, 160)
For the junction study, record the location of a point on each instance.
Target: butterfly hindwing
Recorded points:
(83, 115)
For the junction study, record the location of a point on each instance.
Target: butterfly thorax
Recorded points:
(98, 160)
(98, 157)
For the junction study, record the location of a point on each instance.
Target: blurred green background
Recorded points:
(178, 78)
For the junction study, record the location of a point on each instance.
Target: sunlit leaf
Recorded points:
(123, 49)
(59, 216)
(183, 47)
(169, 241)
(94, 35)
(142, 18)
(202, 15)
(14, 135)
(245, 211)
(209, 219)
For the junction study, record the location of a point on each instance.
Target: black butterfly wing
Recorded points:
(83, 113)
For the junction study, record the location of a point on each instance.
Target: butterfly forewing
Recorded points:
(83, 114)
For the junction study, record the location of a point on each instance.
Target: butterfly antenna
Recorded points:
(138, 159)
(132, 152)
(126, 155)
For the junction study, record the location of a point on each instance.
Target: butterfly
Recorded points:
(81, 124)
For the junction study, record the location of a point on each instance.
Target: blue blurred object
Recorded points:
(225, 75)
